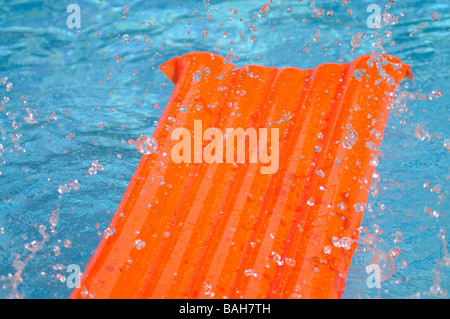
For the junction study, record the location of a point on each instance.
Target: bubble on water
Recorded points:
(330, 13)
(56, 250)
(435, 16)
(447, 144)
(30, 119)
(70, 136)
(9, 86)
(68, 243)
(327, 250)
(95, 167)
(421, 132)
(139, 244)
(317, 13)
(66, 188)
(350, 140)
(389, 19)
(434, 95)
(398, 237)
(146, 144)
(126, 38)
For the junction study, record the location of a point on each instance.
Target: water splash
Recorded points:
(12, 281)
(66, 188)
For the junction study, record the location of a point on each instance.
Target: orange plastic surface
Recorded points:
(227, 230)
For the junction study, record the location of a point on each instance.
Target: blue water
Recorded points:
(72, 102)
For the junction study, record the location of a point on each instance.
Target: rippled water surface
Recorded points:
(72, 101)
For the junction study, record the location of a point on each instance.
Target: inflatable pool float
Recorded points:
(279, 220)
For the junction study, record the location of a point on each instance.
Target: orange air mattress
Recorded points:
(269, 227)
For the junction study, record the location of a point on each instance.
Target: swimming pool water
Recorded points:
(75, 96)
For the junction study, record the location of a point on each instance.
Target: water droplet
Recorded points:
(126, 38)
(327, 250)
(264, 10)
(289, 262)
(357, 39)
(109, 232)
(228, 59)
(54, 220)
(394, 252)
(346, 242)
(434, 94)
(330, 13)
(336, 242)
(146, 144)
(359, 207)
(317, 13)
(68, 244)
(250, 272)
(447, 144)
(386, 263)
(196, 76)
(358, 73)
(421, 132)
(277, 258)
(139, 244)
(350, 140)
(435, 16)
(320, 173)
